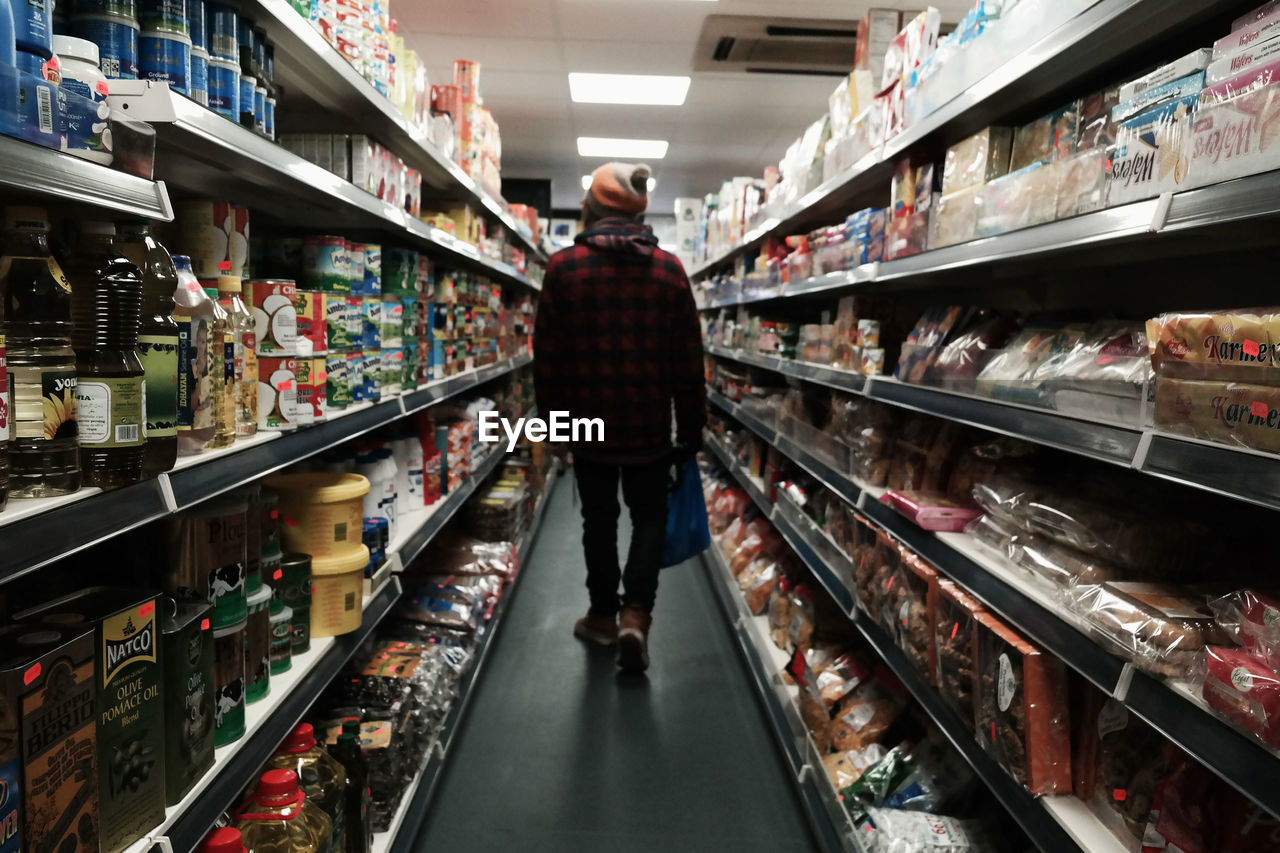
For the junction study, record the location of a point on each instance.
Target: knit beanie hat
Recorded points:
(620, 189)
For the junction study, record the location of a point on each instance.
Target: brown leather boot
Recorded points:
(633, 639)
(601, 630)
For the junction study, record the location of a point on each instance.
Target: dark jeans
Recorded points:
(644, 488)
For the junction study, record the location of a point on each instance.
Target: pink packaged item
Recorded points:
(1249, 80)
(931, 510)
(1246, 35)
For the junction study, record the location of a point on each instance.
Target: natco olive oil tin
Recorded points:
(129, 703)
(48, 734)
(187, 649)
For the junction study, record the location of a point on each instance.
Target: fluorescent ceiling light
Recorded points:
(586, 183)
(634, 149)
(647, 89)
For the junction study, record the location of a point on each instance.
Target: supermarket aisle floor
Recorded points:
(562, 754)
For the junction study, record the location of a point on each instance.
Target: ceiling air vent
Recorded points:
(764, 45)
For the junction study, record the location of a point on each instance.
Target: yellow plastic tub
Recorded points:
(322, 514)
(337, 591)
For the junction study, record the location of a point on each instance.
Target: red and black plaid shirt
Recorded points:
(617, 338)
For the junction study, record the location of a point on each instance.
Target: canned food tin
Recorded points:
(228, 683)
(355, 319)
(124, 8)
(306, 389)
(220, 29)
(372, 269)
(257, 646)
(166, 16)
(311, 320)
(166, 57)
(281, 638)
(392, 332)
(337, 380)
(206, 558)
(324, 264)
(209, 232)
(355, 267)
(392, 373)
(371, 322)
(196, 18)
(269, 113)
(247, 86)
(337, 330)
(399, 270)
(224, 87)
(275, 316)
(117, 39)
(277, 392)
(355, 372)
(294, 590)
(319, 389)
(198, 89)
(260, 109)
(372, 363)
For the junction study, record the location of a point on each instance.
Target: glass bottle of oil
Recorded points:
(157, 343)
(35, 312)
(246, 348)
(194, 313)
(106, 313)
(224, 375)
(280, 818)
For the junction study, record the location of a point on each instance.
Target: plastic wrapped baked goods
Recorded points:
(1019, 200)
(1082, 183)
(757, 584)
(932, 330)
(956, 218)
(800, 629)
(996, 533)
(862, 718)
(779, 612)
(1252, 619)
(1235, 346)
(962, 358)
(1021, 706)
(873, 571)
(1048, 138)
(978, 159)
(953, 622)
(1011, 374)
(845, 674)
(844, 768)
(1104, 375)
(1232, 413)
(1161, 628)
(1058, 563)
(459, 555)
(1243, 689)
(909, 610)
(894, 831)
(1096, 128)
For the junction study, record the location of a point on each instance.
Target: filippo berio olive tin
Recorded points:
(48, 739)
(187, 649)
(207, 559)
(129, 702)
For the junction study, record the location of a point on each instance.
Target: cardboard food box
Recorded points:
(1235, 138)
(48, 739)
(1021, 707)
(129, 700)
(1149, 157)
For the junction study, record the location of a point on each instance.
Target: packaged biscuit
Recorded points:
(1195, 61)
(1096, 128)
(1082, 183)
(956, 219)
(1021, 709)
(1149, 158)
(1236, 137)
(1048, 138)
(1020, 199)
(1171, 91)
(1229, 345)
(1235, 413)
(48, 738)
(980, 158)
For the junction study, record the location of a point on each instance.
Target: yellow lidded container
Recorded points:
(337, 591)
(322, 513)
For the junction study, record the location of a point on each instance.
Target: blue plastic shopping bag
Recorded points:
(687, 532)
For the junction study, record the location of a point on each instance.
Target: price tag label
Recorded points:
(1251, 348)
(1260, 410)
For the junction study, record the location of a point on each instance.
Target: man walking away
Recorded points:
(617, 338)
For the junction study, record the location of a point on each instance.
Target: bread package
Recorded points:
(1235, 346)
(1234, 413)
(1021, 711)
(1243, 689)
(1020, 199)
(954, 611)
(1161, 628)
(1252, 619)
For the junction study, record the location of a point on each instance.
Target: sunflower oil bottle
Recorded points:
(106, 313)
(224, 375)
(279, 817)
(246, 354)
(198, 362)
(35, 324)
(157, 343)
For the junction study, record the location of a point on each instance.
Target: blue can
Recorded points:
(117, 40)
(33, 26)
(224, 87)
(269, 115)
(37, 103)
(33, 64)
(195, 21)
(247, 85)
(269, 52)
(220, 22)
(165, 16)
(199, 83)
(166, 57)
(260, 49)
(244, 41)
(260, 110)
(125, 8)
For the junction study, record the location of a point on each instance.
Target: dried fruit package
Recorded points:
(1021, 707)
(909, 611)
(953, 622)
(874, 573)
(844, 768)
(862, 718)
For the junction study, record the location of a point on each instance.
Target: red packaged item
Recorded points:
(931, 510)
(1181, 814)
(1253, 620)
(1021, 707)
(1244, 690)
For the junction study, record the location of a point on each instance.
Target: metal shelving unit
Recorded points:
(309, 67)
(53, 528)
(30, 169)
(203, 153)
(1237, 758)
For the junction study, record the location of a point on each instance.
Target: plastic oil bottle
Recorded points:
(194, 313)
(246, 354)
(281, 818)
(224, 375)
(157, 343)
(106, 313)
(357, 798)
(35, 307)
(320, 775)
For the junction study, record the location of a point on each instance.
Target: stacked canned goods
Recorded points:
(221, 22)
(165, 43)
(327, 283)
(199, 81)
(281, 403)
(113, 26)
